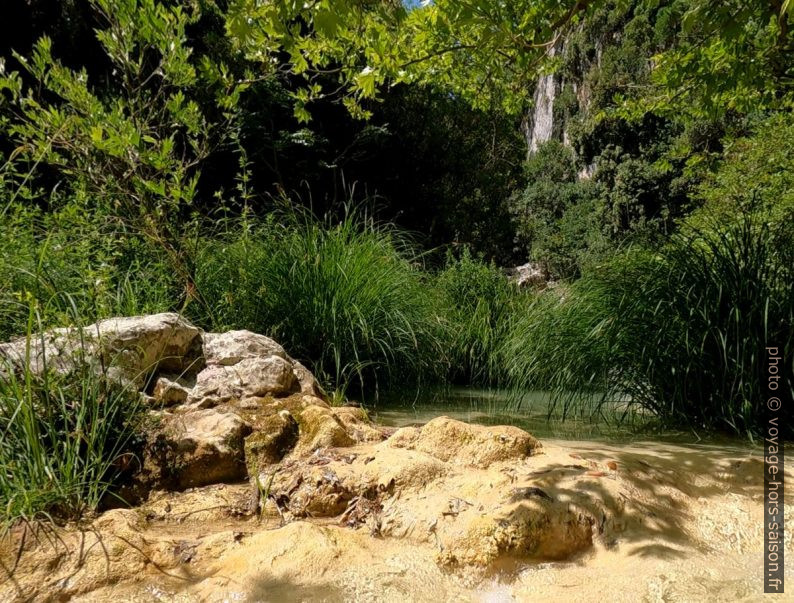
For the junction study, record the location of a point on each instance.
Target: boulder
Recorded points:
(197, 448)
(232, 347)
(320, 428)
(130, 347)
(529, 274)
(250, 377)
(227, 349)
(306, 380)
(358, 425)
(276, 436)
(474, 445)
(170, 391)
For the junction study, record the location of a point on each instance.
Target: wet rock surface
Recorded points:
(276, 437)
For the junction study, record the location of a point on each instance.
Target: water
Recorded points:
(497, 407)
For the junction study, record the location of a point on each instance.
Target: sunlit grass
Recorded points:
(349, 297)
(680, 333)
(62, 434)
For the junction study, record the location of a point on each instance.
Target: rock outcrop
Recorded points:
(478, 446)
(229, 407)
(277, 436)
(201, 390)
(196, 448)
(238, 426)
(529, 274)
(130, 349)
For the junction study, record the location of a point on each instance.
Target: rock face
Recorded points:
(199, 447)
(133, 347)
(198, 386)
(227, 349)
(248, 378)
(540, 125)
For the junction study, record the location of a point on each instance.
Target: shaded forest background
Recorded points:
(355, 178)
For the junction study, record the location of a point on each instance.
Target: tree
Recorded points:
(131, 146)
(730, 55)
(485, 51)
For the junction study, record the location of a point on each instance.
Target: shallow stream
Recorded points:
(498, 407)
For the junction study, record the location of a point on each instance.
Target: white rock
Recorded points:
(133, 346)
(227, 349)
(248, 378)
(306, 380)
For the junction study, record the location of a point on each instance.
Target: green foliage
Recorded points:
(477, 303)
(63, 436)
(755, 174)
(729, 56)
(641, 197)
(131, 146)
(111, 162)
(105, 269)
(487, 52)
(457, 165)
(558, 217)
(348, 296)
(559, 344)
(640, 163)
(681, 334)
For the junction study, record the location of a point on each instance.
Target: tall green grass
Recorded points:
(477, 302)
(349, 296)
(681, 333)
(106, 269)
(63, 435)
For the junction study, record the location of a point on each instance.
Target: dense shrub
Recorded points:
(756, 174)
(347, 297)
(558, 217)
(477, 302)
(104, 268)
(682, 333)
